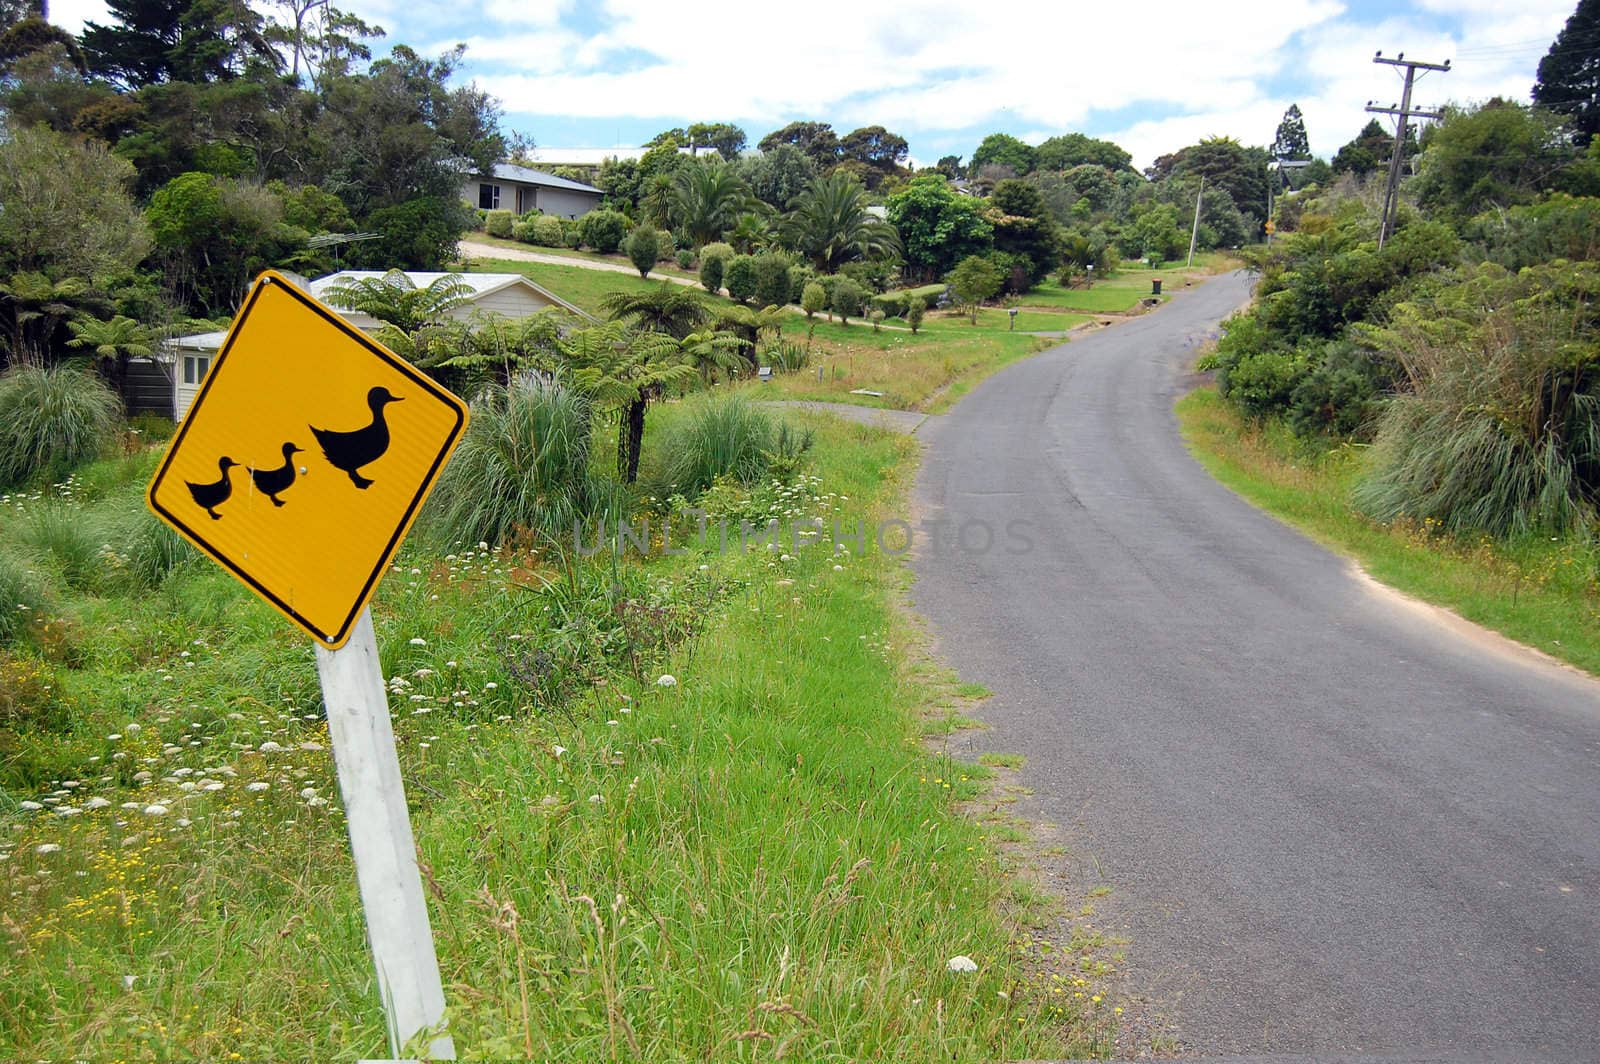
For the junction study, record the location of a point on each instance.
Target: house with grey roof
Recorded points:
(182, 362)
(521, 190)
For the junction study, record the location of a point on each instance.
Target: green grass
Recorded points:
(618, 259)
(1539, 591)
(757, 857)
(584, 288)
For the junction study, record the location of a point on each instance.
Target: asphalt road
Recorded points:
(1334, 826)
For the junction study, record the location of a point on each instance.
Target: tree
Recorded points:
(813, 298)
(418, 234)
(65, 208)
(938, 228)
(152, 41)
(113, 343)
(916, 307)
(395, 299)
(816, 139)
(36, 306)
(728, 139)
(1226, 164)
(707, 196)
(875, 148)
(830, 225)
(1369, 150)
(847, 300)
(625, 370)
(644, 248)
(1498, 155)
(215, 234)
(740, 276)
(667, 308)
(975, 279)
(1002, 149)
(777, 176)
(1291, 141)
(1075, 149)
(1155, 235)
(1024, 229)
(1569, 74)
(950, 166)
(33, 34)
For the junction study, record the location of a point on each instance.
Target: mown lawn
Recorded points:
(756, 860)
(1537, 590)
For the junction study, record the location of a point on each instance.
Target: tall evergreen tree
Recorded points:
(152, 41)
(1291, 141)
(1569, 74)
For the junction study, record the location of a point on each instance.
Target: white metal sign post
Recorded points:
(380, 838)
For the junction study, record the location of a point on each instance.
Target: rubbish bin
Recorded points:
(1155, 286)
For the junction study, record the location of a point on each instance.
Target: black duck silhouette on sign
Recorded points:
(210, 496)
(350, 451)
(270, 482)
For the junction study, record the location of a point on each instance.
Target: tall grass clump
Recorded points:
(75, 545)
(52, 420)
(522, 467)
(151, 550)
(20, 598)
(1498, 427)
(726, 436)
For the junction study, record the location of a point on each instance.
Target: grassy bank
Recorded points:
(755, 861)
(1537, 590)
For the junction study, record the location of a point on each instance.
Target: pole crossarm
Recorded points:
(1403, 114)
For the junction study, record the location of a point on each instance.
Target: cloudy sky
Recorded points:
(1152, 75)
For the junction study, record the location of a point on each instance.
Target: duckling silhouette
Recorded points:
(271, 481)
(350, 451)
(210, 496)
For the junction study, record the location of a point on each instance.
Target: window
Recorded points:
(194, 368)
(488, 197)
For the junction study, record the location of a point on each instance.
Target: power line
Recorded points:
(1402, 113)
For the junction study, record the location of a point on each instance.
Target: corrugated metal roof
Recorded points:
(480, 283)
(512, 172)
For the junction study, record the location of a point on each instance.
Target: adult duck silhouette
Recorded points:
(271, 481)
(210, 496)
(350, 451)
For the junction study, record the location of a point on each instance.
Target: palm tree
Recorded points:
(750, 233)
(394, 298)
(623, 369)
(829, 224)
(667, 308)
(37, 306)
(705, 198)
(114, 342)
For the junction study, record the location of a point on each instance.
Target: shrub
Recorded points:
(643, 246)
(892, 304)
(523, 231)
(785, 356)
(603, 230)
(799, 276)
(546, 232)
(711, 274)
(771, 279)
(1263, 382)
(23, 599)
(523, 466)
(724, 436)
(480, 219)
(52, 420)
(571, 237)
(847, 299)
(667, 247)
(740, 277)
(685, 259)
(1500, 430)
(873, 275)
(500, 224)
(813, 299)
(915, 309)
(1341, 394)
(29, 703)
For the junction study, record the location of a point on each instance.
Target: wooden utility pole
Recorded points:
(1403, 114)
(1194, 233)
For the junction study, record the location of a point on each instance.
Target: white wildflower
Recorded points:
(47, 847)
(961, 963)
(155, 809)
(257, 787)
(666, 680)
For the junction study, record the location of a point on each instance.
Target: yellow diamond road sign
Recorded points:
(305, 458)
